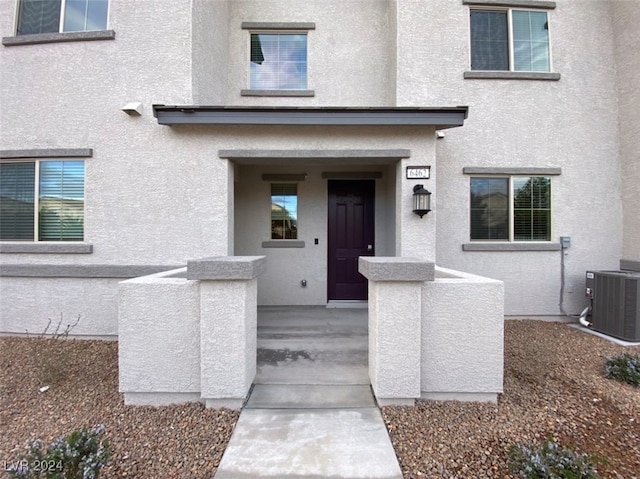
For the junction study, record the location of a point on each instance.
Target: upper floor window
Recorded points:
(278, 61)
(55, 16)
(510, 40)
(514, 208)
(42, 201)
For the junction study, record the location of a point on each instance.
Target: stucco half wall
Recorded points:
(462, 337)
(434, 333)
(190, 334)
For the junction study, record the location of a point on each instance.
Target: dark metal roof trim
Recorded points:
(448, 117)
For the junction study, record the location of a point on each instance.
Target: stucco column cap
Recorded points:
(226, 267)
(394, 268)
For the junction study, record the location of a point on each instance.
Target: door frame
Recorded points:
(367, 187)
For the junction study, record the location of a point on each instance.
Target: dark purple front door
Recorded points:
(351, 234)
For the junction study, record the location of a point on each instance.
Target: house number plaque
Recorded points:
(418, 172)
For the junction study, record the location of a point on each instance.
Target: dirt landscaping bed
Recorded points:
(554, 388)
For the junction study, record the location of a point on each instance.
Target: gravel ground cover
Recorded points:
(166, 442)
(554, 387)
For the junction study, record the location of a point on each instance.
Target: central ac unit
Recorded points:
(615, 306)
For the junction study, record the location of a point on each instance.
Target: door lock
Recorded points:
(369, 247)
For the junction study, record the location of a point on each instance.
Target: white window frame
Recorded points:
(509, 11)
(36, 200)
(511, 213)
(250, 88)
(63, 6)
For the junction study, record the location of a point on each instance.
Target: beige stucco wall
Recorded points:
(140, 205)
(161, 195)
(210, 44)
(571, 124)
(625, 19)
(348, 51)
(35, 306)
(287, 267)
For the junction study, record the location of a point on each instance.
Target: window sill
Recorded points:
(283, 244)
(277, 93)
(58, 37)
(46, 248)
(504, 75)
(511, 247)
(550, 5)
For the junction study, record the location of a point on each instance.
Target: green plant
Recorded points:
(625, 368)
(80, 455)
(550, 461)
(50, 353)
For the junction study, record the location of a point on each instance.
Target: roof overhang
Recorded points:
(438, 118)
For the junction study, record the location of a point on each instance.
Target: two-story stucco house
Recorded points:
(139, 135)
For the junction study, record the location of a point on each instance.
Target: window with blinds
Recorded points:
(42, 201)
(284, 211)
(511, 209)
(510, 40)
(278, 61)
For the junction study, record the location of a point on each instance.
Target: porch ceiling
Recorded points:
(439, 118)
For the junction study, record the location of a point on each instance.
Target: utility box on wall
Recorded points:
(615, 303)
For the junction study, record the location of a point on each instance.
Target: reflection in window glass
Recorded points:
(284, 211)
(278, 61)
(47, 208)
(490, 208)
(532, 211)
(85, 15)
(520, 212)
(61, 201)
(530, 41)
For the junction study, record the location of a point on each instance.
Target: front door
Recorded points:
(351, 234)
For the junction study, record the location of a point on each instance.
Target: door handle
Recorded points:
(369, 247)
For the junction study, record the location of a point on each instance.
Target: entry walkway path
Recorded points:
(311, 413)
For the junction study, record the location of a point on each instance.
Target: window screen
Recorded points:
(17, 201)
(489, 40)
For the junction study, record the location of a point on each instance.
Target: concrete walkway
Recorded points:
(311, 413)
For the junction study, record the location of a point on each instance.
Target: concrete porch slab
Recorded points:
(312, 345)
(305, 396)
(309, 444)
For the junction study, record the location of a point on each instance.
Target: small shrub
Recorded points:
(80, 455)
(550, 461)
(625, 368)
(49, 352)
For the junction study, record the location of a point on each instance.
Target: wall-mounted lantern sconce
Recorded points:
(421, 200)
